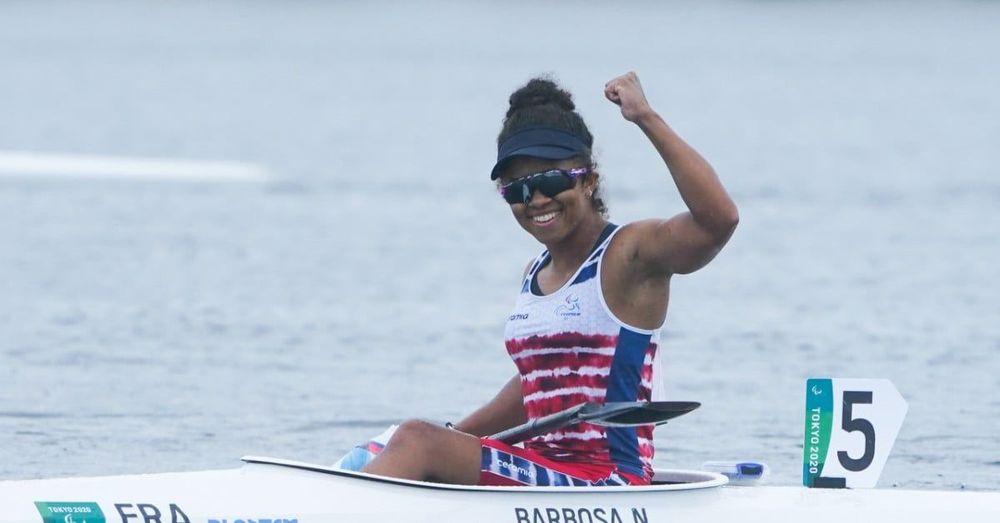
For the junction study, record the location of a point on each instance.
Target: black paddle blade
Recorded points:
(629, 414)
(615, 414)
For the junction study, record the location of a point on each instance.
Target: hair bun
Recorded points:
(540, 91)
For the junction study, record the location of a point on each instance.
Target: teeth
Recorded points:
(545, 217)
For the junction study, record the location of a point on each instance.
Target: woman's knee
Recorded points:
(413, 433)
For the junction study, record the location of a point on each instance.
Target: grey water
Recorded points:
(162, 326)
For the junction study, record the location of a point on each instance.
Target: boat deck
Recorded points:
(664, 480)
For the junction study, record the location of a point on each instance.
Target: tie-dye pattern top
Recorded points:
(569, 348)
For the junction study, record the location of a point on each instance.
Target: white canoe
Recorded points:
(267, 490)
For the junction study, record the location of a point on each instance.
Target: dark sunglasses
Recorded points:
(550, 183)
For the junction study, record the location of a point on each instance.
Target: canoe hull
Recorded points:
(276, 493)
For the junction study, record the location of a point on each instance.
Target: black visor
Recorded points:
(538, 142)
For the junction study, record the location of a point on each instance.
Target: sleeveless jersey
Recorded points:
(570, 348)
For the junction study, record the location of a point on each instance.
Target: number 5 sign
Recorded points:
(851, 425)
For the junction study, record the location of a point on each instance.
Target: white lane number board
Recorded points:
(851, 425)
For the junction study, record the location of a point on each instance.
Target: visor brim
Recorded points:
(544, 152)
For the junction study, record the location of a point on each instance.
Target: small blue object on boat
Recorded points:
(738, 472)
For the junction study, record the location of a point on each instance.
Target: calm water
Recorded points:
(177, 326)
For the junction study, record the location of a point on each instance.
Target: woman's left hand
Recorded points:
(626, 92)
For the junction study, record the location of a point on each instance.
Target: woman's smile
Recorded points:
(544, 220)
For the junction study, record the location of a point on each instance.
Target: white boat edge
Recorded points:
(270, 490)
(666, 479)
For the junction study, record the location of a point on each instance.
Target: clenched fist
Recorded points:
(626, 92)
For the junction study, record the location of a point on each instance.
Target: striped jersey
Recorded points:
(570, 348)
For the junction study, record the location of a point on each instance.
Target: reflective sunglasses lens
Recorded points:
(514, 192)
(553, 183)
(550, 183)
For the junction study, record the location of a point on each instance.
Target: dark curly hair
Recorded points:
(541, 102)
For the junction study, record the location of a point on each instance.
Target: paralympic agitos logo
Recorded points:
(70, 512)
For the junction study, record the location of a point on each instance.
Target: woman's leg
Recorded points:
(424, 451)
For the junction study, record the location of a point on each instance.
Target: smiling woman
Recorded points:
(586, 325)
(542, 122)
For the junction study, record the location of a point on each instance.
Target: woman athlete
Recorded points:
(587, 319)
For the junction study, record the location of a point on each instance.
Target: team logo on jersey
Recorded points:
(569, 307)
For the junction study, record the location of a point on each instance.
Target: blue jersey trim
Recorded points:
(588, 272)
(623, 385)
(597, 253)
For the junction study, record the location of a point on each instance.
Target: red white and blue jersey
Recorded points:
(570, 348)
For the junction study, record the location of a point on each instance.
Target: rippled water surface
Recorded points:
(177, 326)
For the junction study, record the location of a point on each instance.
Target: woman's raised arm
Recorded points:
(690, 240)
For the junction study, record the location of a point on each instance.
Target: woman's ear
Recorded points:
(590, 183)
